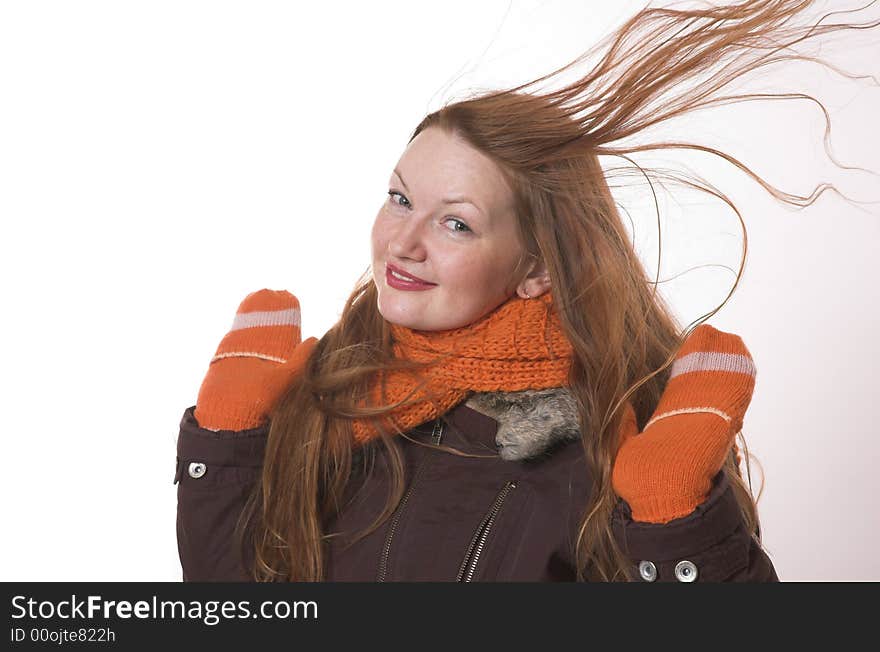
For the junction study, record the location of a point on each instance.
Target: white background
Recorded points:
(160, 160)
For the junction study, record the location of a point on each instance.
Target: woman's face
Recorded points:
(448, 220)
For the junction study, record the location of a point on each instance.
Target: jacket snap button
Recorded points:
(685, 571)
(196, 469)
(648, 571)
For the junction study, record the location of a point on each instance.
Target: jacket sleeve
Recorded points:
(215, 474)
(711, 544)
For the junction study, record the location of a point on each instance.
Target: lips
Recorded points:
(405, 283)
(402, 272)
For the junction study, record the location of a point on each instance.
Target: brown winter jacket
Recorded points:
(513, 517)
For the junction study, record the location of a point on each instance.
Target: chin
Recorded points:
(392, 313)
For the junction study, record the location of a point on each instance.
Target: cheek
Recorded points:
(488, 273)
(471, 271)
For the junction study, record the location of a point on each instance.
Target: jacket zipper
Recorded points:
(469, 564)
(386, 549)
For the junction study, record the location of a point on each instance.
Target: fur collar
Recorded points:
(530, 422)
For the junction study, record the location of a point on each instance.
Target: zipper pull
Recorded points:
(438, 432)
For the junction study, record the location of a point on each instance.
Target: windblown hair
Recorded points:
(660, 64)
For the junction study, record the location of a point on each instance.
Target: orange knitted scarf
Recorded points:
(518, 346)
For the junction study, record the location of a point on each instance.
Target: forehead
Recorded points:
(439, 165)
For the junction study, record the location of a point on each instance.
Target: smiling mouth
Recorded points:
(401, 281)
(401, 276)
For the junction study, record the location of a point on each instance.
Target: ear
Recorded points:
(536, 281)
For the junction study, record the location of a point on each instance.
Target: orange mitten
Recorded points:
(665, 471)
(254, 364)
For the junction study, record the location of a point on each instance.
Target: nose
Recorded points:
(408, 241)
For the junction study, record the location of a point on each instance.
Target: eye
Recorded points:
(457, 221)
(391, 194)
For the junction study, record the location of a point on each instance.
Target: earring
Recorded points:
(528, 296)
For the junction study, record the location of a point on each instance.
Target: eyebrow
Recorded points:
(448, 200)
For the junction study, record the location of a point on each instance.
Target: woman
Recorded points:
(505, 396)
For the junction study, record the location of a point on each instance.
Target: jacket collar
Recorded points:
(517, 425)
